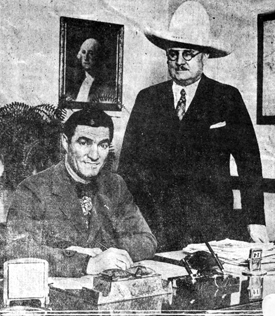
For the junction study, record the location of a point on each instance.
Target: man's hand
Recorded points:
(111, 258)
(92, 252)
(258, 233)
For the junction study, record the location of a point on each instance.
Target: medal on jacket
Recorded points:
(86, 205)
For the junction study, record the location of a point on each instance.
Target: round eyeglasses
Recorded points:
(187, 55)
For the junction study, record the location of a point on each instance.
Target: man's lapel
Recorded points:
(201, 103)
(101, 221)
(198, 107)
(166, 99)
(67, 199)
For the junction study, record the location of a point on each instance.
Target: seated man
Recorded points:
(77, 215)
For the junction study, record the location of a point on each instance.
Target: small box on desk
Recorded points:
(115, 285)
(110, 291)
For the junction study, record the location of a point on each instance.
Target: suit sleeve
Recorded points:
(25, 237)
(131, 167)
(133, 233)
(245, 150)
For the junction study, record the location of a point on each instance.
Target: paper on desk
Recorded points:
(234, 253)
(72, 283)
(166, 270)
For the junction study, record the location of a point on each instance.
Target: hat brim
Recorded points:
(165, 39)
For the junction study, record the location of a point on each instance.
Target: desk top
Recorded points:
(237, 293)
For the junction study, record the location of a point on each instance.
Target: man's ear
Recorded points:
(65, 142)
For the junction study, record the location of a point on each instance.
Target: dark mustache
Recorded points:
(181, 67)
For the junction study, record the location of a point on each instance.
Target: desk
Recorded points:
(201, 296)
(231, 294)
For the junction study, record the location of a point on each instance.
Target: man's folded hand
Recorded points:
(111, 258)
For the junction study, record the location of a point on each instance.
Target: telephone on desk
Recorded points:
(203, 262)
(209, 283)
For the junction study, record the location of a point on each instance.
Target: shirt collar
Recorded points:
(190, 92)
(88, 77)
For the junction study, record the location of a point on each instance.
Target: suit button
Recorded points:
(69, 253)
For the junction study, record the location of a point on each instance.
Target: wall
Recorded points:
(29, 55)
(29, 48)
(29, 52)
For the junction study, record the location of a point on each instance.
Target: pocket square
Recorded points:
(217, 125)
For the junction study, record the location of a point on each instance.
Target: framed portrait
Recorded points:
(266, 69)
(91, 64)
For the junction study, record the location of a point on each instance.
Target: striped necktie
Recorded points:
(180, 109)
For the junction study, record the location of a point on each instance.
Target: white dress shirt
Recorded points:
(84, 90)
(190, 92)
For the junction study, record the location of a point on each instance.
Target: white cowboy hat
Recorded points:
(189, 28)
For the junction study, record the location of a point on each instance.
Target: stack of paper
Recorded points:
(234, 254)
(166, 270)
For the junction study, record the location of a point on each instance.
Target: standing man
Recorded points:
(179, 138)
(77, 215)
(89, 83)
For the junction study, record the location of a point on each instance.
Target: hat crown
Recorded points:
(189, 28)
(191, 23)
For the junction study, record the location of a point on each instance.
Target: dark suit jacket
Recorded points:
(46, 217)
(178, 171)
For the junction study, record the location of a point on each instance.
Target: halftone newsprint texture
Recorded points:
(31, 118)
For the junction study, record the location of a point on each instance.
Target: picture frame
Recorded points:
(105, 91)
(266, 69)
